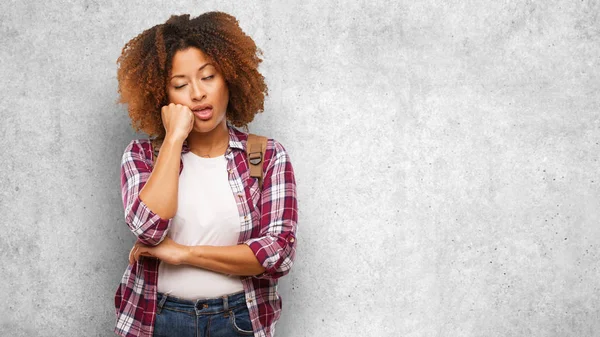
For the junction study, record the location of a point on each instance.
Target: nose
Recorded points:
(197, 91)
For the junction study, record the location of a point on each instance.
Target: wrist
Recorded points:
(174, 138)
(189, 252)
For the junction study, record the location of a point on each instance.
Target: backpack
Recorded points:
(255, 152)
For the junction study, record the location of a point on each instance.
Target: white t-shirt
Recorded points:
(207, 214)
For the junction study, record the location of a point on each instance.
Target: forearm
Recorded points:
(160, 191)
(232, 260)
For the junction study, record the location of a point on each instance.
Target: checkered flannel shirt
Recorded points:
(267, 225)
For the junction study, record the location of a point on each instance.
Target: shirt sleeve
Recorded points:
(149, 228)
(275, 249)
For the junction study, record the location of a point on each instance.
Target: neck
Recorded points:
(207, 143)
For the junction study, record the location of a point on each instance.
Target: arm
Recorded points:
(150, 195)
(268, 256)
(275, 246)
(231, 260)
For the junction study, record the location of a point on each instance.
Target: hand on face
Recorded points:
(178, 120)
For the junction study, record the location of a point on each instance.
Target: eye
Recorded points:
(208, 77)
(181, 86)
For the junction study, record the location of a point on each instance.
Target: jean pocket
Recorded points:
(240, 320)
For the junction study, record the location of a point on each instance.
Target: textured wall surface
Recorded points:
(446, 154)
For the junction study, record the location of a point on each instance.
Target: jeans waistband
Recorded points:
(205, 305)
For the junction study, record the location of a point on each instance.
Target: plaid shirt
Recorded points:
(269, 233)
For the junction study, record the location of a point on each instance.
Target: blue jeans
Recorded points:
(214, 317)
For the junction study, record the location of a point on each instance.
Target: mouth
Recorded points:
(203, 112)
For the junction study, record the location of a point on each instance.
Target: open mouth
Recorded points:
(203, 113)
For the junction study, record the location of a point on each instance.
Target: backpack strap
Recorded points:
(255, 149)
(155, 146)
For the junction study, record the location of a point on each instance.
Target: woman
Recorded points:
(212, 243)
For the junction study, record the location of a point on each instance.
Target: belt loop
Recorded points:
(161, 303)
(225, 303)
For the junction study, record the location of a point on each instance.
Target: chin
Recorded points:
(204, 126)
(203, 129)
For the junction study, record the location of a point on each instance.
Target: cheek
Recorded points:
(169, 96)
(225, 94)
(175, 97)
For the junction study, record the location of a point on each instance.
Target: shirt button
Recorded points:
(246, 217)
(291, 240)
(240, 195)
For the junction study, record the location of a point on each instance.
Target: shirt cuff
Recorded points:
(148, 226)
(271, 251)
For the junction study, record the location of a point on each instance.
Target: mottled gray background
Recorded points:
(446, 155)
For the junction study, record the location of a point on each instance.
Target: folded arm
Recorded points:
(270, 254)
(150, 195)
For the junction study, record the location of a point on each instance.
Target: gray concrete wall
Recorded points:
(446, 155)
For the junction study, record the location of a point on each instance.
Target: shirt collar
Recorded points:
(235, 139)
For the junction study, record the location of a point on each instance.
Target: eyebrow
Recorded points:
(204, 65)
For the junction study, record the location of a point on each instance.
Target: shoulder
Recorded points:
(274, 148)
(277, 148)
(138, 149)
(276, 155)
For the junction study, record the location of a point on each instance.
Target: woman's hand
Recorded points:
(167, 251)
(177, 119)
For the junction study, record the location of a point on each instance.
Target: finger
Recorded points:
(142, 251)
(131, 254)
(136, 254)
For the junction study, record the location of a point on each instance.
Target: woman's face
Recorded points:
(197, 83)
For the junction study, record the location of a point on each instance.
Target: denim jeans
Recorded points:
(214, 317)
